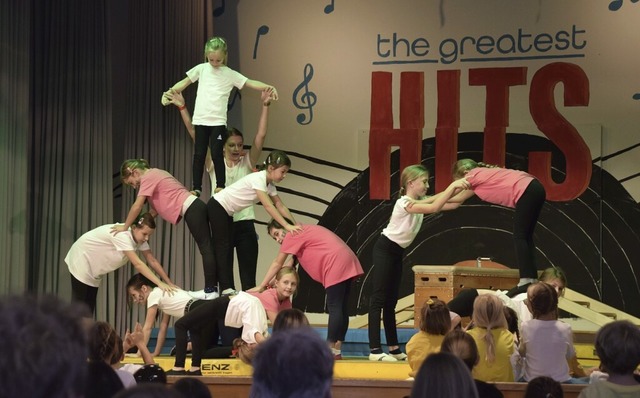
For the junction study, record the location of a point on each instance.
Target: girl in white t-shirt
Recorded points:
(199, 318)
(98, 252)
(404, 225)
(222, 206)
(215, 82)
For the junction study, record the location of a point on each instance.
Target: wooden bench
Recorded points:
(240, 386)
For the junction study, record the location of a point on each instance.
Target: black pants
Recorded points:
(337, 306)
(385, 278)
(198, 223)
(200, 323)
(221, 225)
(212, 137)
(84, 294)
(527, 211)
(245, 240)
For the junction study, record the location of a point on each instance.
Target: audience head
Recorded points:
(103, 340)
(462, 345)
(488, 313)
(290, 318)
(102, 380)
(192, 387)
(149, 390)
(512, 321)
(443, 375)
(618, 347)
(543, 387)
(542, 299)
(435, 318)
(43, 347)
(150, 373)
(307, 359)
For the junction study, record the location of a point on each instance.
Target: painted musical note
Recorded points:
(219, 10)
(328, 9)
(636, 96)
(615, 5)
(303, 98)
(236, 94)
(263, 30)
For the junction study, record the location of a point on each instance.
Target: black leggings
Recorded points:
(337, 306)
(245, 241)
(221, 225)
(84, 294)
(198, 223)
(200, 323)
(525, 219)
(212, 137)
(385, 278)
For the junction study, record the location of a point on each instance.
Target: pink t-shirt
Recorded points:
(325, 257)
(164, 193)
(270, 302)
(498, 185)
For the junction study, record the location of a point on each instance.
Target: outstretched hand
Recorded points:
(293, 229)
(174, 97)
(273, 93)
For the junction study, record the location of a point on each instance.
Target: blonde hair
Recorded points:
(244, 351)
(488, 313)
(411, 173)
(130, 165)
(463, 165)
(215, 44)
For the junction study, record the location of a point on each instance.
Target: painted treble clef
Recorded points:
(303, 98)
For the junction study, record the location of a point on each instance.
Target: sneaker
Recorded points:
(382, 358)
(229, 292)
(211, 296)
(194, 373)
(399, 357)
(173, 351)
(196, 192)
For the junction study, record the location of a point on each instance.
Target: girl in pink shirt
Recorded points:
(510, 188)
(168, 198)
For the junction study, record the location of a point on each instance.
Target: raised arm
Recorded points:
(261, 134)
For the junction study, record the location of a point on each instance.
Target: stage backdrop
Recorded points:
(550, 87)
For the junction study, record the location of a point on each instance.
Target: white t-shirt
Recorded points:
(403, 226)
(99, 252)
(548, 345)
(233, 174)
(126, 378)
(242, 193)
(246, 311)
(169, 304)
(214, 88)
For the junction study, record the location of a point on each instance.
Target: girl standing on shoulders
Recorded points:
(259, 186)
(98, 252)
(403, 227)
(510, 188)
(237, 165)
(172, 201)
(215, 82)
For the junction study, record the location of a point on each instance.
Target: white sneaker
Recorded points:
(229, 292)
(382, 357)
(400, 357)
(211, 296)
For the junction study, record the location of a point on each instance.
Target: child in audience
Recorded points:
(435, 323)
(463, 346)
(547, 343)
(290, 318)
(104, 345)
(618, 347)
(443, 375)
(543, 387)
(494, 341)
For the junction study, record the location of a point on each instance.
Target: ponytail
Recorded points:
(145, 219)
(276, 159)
(128, 166)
